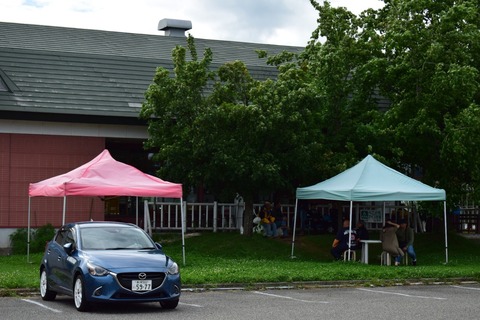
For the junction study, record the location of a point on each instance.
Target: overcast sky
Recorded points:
(285, 22)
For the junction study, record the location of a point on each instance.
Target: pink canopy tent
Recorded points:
(104, 176)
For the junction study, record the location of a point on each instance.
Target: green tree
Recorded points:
(172, 106)
(400, 82)
(342, 62)
(260, 134)
(430, 75)
(246, 136)
(420, 56)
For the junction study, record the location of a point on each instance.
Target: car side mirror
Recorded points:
(158, 245)
(68, 247)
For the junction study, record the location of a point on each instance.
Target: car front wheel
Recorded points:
(169, 304)
(46, 293)
(79, 294)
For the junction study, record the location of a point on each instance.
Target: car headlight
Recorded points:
(95, 270)
(173, 269)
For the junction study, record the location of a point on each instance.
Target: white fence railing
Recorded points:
(213, 216)
(217, 216)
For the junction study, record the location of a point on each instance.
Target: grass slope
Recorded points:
(213, 259)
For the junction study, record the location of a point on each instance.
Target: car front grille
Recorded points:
(125, 279)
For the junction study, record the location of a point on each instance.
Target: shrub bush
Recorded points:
(41, 236)
(18, 241)
(38, 238)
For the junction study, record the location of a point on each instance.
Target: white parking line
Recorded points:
(402, 294)
(42, 305)
(285, 297)
(191, 305)
(468, 288)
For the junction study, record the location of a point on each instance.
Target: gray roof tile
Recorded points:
(98, 73)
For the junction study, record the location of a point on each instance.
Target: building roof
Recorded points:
(79, 72)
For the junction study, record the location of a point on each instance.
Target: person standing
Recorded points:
(405, 236)
(389, 240)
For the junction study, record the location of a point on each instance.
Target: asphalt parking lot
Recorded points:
(397, 302)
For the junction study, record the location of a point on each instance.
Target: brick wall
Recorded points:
(31, 158)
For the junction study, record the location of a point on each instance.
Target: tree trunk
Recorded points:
(248, 216)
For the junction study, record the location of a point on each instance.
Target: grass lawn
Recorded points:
(213, 259)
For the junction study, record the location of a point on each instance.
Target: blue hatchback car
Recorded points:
(108, 262)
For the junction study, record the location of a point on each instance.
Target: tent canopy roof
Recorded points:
(371, 180)
(104, 176)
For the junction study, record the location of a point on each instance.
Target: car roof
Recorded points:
(99, 224)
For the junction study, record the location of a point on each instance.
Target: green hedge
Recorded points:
(38, 239)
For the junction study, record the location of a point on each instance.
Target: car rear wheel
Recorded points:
(79, 294)
(169, 304)
(46, 293)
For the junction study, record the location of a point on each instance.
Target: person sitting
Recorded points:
(405, 238)
(283, 229)
(362, 232)
(277, 214)
(389, 241)
(344, 240)
(268, 220)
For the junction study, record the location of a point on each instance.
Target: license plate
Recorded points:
(141, 285)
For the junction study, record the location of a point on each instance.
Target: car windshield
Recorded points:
(114, 238)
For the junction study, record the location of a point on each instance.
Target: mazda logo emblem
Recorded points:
(142, 276)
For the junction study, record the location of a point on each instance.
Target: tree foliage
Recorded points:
(245, 136)
(418, 57)
(431, 58)
(342, 64)
(173, 105)
(400, 82)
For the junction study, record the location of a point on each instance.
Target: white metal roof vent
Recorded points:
(174, 27)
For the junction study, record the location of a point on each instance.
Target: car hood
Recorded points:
(126, 259)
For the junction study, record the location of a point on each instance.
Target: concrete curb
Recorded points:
(326, 284)
(25, 292)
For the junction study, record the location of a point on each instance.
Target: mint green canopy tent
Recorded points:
(371, 180)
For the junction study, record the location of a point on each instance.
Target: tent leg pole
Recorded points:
(182, 214)
(136, 211)
(28, 231)
(64, 209)
(294, 228)
(350, 229)
(384, 213)
(446, 235)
